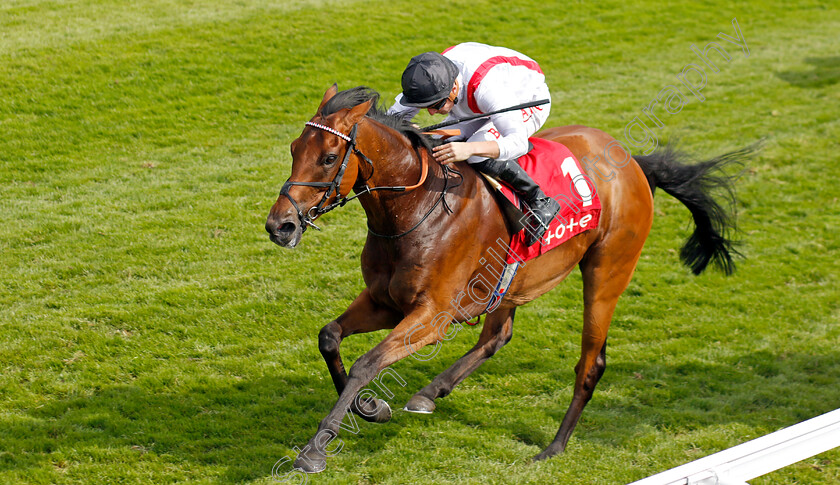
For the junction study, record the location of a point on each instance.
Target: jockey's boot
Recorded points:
(542, 207)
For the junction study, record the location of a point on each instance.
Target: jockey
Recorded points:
(473, 78)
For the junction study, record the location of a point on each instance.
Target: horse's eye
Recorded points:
(330, 159)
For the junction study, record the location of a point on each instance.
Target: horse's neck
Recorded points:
(396, 163)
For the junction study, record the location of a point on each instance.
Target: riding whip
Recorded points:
(487, 115)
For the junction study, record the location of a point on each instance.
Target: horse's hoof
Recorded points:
(375, 411)
(547, 453)
(311, 463)
(383, 412)
(542, 456)
(420, 404)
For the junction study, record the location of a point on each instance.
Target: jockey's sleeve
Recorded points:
(405, 112)
(500, 90)
(513, 142)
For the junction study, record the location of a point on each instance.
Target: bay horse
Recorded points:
(431, 227)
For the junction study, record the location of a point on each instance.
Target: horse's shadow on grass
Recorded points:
(767, 390)
(245, 427)
(241, 429)
(825, 72)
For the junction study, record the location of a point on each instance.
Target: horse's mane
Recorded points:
(358, 95)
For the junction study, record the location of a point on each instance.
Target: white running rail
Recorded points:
(757, 457)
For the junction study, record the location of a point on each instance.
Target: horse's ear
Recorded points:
(332, 91)
(358, 112)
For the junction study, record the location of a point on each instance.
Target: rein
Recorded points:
(442, 198)
(334, 186)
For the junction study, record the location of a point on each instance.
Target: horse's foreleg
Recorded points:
(414, 332)
(497, 331)
(363, 315)
(604, 279)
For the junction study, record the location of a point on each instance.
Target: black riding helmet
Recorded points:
(428, 78)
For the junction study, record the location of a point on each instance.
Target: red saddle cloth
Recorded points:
(558, 172)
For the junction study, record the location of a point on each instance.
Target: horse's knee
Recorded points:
(595, 373)
(601, 363)
(329, 339)
(495, 346)
(499, 340)
(507, 334)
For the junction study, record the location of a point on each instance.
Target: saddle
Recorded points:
(558, 172)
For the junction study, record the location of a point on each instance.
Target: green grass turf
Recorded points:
(150, 332)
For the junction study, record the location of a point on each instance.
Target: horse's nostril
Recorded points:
(286, 228)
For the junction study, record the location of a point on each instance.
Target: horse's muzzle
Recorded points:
(285, 233)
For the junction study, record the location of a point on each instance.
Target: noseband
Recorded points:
(335, 185)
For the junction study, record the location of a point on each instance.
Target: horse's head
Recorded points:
(325, 166)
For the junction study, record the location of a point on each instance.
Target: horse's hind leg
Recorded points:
(363, 315)
(606, 274)
(497, 331)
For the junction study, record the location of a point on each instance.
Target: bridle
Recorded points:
(334, 187)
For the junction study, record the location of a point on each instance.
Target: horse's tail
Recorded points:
(693, 185)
